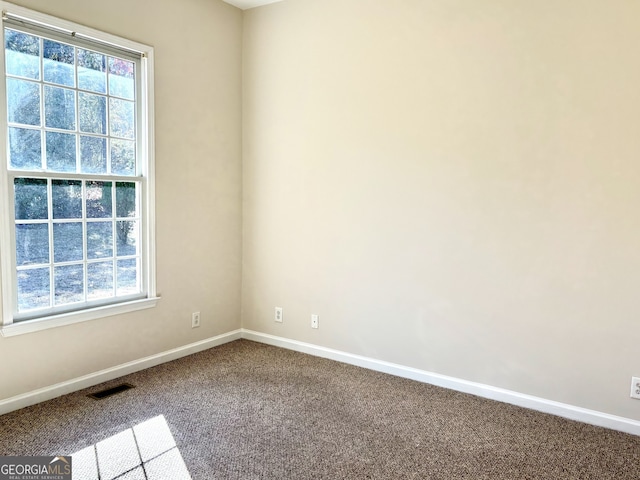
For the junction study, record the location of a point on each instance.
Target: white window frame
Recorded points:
(146, 157)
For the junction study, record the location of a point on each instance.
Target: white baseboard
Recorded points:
(571, 412)
(53, 391)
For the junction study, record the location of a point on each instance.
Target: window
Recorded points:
(77, 176)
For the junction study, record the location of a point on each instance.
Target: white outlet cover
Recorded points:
(635, 387)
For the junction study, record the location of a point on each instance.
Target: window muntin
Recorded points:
(75, 175)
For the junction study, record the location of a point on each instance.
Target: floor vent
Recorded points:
(111, 391)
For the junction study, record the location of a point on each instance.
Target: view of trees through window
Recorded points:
(71, 117)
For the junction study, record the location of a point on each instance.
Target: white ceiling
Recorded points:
(244, 4)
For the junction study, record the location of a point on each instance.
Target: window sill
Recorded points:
(30, 326)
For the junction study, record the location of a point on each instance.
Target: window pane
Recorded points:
(99, 200)
(66, 197)
(72, 113)
(93, 154)
(99, 240)
(99, 280)
(23, 101)
(22, 54)
(59, 108)
(32, 244)
(92, 71)
(126, 199)
(61, 152)
(31, 201)
(67, 242)
(25, 149)
(92, 113)
(127, 236)
(69, 284)
(121, 118)
(33, 289)
(127, 277)
(121, 82)
(123, 157)
(58, 61)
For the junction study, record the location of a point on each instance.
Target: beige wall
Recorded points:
(198, 165)
(451, 185)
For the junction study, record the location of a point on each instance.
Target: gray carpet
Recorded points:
(250, 411)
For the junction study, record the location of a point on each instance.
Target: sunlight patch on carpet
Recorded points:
(146, 451)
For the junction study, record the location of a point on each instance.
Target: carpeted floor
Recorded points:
(250, 411)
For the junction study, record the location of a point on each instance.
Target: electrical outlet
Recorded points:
(278, 316)
(635, 387)
(195, 319)
(315, 319)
